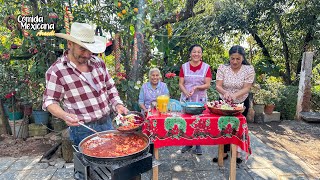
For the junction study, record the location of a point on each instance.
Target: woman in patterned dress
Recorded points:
(233, 82)
(152, 89)
(194, 80)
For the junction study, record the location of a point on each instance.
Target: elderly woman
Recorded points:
(152, 89)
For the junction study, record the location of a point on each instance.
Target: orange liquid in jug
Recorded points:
(162, 103)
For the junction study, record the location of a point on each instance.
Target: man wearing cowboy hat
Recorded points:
(81, 83)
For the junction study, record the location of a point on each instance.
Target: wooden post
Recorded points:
(304, 93)
(220, 154)
(66, 147)
(232, 174)
(155, 170)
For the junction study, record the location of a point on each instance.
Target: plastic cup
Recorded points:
(162, 103)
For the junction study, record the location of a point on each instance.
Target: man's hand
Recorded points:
(121, 109)
(71, 120)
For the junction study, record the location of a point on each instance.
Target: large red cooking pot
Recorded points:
(113, 145)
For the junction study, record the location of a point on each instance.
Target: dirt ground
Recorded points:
(34, 146)
(298, 137)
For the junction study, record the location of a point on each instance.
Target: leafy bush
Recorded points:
(172, 81)
(288, 102)
(212, 92)
(315, 98)
(128, 90)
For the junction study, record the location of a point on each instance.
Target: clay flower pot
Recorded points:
(268, 109)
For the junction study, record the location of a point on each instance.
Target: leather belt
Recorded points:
(100, 121)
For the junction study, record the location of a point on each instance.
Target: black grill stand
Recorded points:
(113, 170)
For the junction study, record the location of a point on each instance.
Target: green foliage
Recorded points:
(273, 91)
(264, 68)
(288, 102)
(315, 98)
(212, 92)
(269, 92)
(128, 91)
(260, 96)
(13, 79)
(173, 86)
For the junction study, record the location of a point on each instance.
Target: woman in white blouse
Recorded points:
(233, 82)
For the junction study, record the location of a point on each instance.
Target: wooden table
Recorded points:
(178, 129)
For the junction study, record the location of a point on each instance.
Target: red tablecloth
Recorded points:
(204, 129)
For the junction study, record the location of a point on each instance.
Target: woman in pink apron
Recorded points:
(194, 80)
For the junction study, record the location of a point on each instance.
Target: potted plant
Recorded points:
(258, 98)
(272, 97)
(12, 106)
(39, 116)
(265, 98)
(269, 101)
(41, 61)
(12, 77)
(37, 84)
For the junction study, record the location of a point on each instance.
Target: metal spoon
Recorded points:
(82, 124)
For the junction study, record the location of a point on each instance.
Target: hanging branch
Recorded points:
(184, 14)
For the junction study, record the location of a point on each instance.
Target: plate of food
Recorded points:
(129, 122)
(227, 109)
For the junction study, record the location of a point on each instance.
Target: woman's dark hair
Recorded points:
(240, 50)
(195, 45)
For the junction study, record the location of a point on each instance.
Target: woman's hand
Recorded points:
(226, 96)
(194, 89)
(189, 94)
(229, 97)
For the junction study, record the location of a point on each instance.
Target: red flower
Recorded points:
(170, 75)
(9, 95)
(26, 81)
(53, 15)
(121, 76)
(35, 51)
(5, 56)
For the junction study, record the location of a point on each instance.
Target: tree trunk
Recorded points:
(4, 122)
(184, 14)
(265, 51)
(34, 4)
(287, 77)
(308, 38)
(306, 42)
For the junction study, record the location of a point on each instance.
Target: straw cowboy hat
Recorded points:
(83, 35)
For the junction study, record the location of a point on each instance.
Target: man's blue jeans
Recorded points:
(78, 133)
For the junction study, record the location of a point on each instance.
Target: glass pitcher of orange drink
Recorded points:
(162, 103)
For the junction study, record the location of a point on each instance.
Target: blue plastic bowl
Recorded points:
(193, 107)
